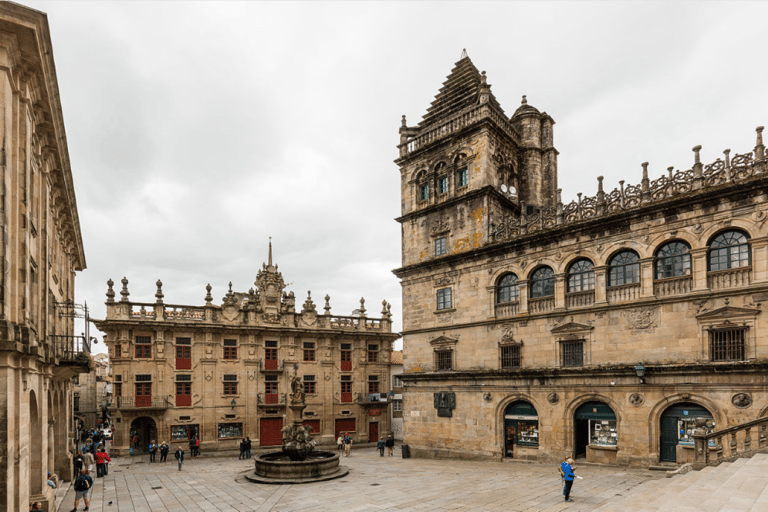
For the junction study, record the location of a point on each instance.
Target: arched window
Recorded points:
(624, 269)
(581, 276)
(673, 260)
(729, 249)
(507, 289)
(543, 283)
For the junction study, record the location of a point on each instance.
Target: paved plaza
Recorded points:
(213, 483)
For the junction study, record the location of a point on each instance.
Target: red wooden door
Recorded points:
(373, 432)
(315, 424)
(270, 359)
(270, 392)
(144, 394)
(183, 394)
(346, 392)
(344, 425)
(269, 431)
(183, 358)
(346, 360)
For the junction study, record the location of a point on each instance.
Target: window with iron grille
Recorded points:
(309, 385)
(230, 349)
(510, 356)
(183, 341)
(143, 347)
(309, 350)
(118, 378)
(183, 377)
(444, 359)
(270, 344)
(440, 246)
(727, 344)
(232, 378)
(118, 350)
(118, 388)
(373, 353)
(573, 353)
(143, 378)
(444, 299)
(373, 383)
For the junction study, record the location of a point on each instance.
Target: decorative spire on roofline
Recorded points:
(463, 54)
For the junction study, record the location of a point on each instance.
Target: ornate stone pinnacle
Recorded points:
(327, 307)
(208, 296)
(110, 291)
(362, 306)
(159, 295)
(525, 101)
(403, 123)
(124, 291)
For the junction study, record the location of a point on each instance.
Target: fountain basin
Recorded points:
(278, 468)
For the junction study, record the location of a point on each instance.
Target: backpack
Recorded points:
(82, 484)
(560, 470)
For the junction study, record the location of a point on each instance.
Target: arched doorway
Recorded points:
(677, 424)
(594, 424)
(35, 446)
(521, 430)
(146, 430)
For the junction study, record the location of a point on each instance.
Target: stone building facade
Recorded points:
(396, 409)
(600, 328)
(93, 392)
(222, 372)
(41, 249)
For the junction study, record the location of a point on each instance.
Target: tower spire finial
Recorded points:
(463, 54)
(270, 251)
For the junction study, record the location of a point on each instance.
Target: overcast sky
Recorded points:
(198, 130)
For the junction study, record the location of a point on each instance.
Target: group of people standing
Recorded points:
(163, 448)
(245, 448)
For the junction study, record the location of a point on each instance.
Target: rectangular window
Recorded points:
(183, 390)
(373, 384)
(143, 378)
(444, 359)
(76, 403)
(309, 351)
(230, 430)
(727, 344)
(444, 299)
(373, 353)
(424, 192)
(118, 389)
(442, 185)
(183, 353)
(346, 388)
(143, 347)
(346, 357)
(463, 177)
(510, 356)
(230, 388)
(270, 355)
(397, 405)
(397, 382)
(573, 353)
(230, 349)
(309, 385)
(603, 432)
(270, 389)
(118, 350)
(440, 246)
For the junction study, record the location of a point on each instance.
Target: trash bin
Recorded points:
(406, 450)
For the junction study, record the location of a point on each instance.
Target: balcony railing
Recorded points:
(271, 365)
(672, 286)
(372, 398)
(738, 440)
(541, 305)
(579, 299)
(140, 402)
(731, 278)
(625, 293)
(72, 349)
(507, 309)
(271, 399)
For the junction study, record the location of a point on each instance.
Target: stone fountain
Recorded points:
(298, 462)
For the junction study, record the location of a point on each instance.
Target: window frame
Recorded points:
(508, 290)
(728, 249)
(442, 185)
(443, 359)
(541, 284)
(230, 349)
(441, 246)
(568, 357)
(666, 266)
(462, 177)
(618, 270)
(308, 349)
(514, 355)
(581, 280)
(423, 191)
(143, 349)
(310, 384)
(444, 299)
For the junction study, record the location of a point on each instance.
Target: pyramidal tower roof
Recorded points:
(461, 89)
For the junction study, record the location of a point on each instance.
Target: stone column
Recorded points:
(699, 269)
(559, 291)
(759, 259)
(523, 286)
(646, 277)
(601, 281)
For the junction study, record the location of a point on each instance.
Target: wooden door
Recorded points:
(344, 425)
(269, 431)
(373, 432)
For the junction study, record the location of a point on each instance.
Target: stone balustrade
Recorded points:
(731, 443)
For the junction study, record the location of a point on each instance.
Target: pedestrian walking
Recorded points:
(247, 447)
(242, 450)
(88, 462)
(390, 445)
(380, 445)
(347, 444)
(340, 442)
(179, 456)
(164, 449)
(152, 451)
(102, 460)
(192, 447)
(83, 484)
(568, 476)
(197, 446)
(77, 462)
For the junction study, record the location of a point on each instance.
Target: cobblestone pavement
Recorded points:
(214, 483)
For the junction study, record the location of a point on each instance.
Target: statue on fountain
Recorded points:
(297, 439)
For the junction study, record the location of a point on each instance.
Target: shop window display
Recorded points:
(230, 430)
(686, 427)
(603, 433)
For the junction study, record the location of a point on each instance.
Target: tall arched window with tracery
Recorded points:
(543, 283)
(507, 290)
(624, 268)
(581, 276)
(673, 259)
(729, 249)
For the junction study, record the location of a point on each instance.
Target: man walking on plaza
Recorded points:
(83, 484)
(347, 444)
(179, 456)
(88, 462)
(390, 445)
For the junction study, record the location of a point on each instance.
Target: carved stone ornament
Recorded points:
(445, 403)
(444, 318)
(643, 319)
(741, 400)
(443, 281)
(440, 226)
(636, 399)
(553, 398)
(508, 336)
(487, 396)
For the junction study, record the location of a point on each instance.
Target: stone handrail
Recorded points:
(739, 445)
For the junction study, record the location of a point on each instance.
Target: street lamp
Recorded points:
(233, 403)
(640, 371)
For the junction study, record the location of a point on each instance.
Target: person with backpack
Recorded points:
(566, 470)
(152, 451)
(83, 484)
(164, 449)
(179, 456)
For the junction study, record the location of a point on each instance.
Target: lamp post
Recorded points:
(640, 371)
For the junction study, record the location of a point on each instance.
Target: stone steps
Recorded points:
(738, 486)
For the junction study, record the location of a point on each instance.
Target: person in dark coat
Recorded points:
(179, 456)
(247, 447)
(390, 446)
(380, 445)
(242, 450)
(164, 449)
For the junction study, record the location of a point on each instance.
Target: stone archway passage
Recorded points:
(146, 429)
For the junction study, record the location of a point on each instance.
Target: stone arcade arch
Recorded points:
(146, 428)
(521, 431)
(676, 427)
(595, 432)
(35, 451)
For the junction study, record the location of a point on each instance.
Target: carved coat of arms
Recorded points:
(445, 403)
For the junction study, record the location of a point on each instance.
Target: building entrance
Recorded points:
(594, 424)
(521, 428)
(146, 430)
(677, 424)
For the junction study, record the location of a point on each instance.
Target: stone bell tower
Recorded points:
(466, 164)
